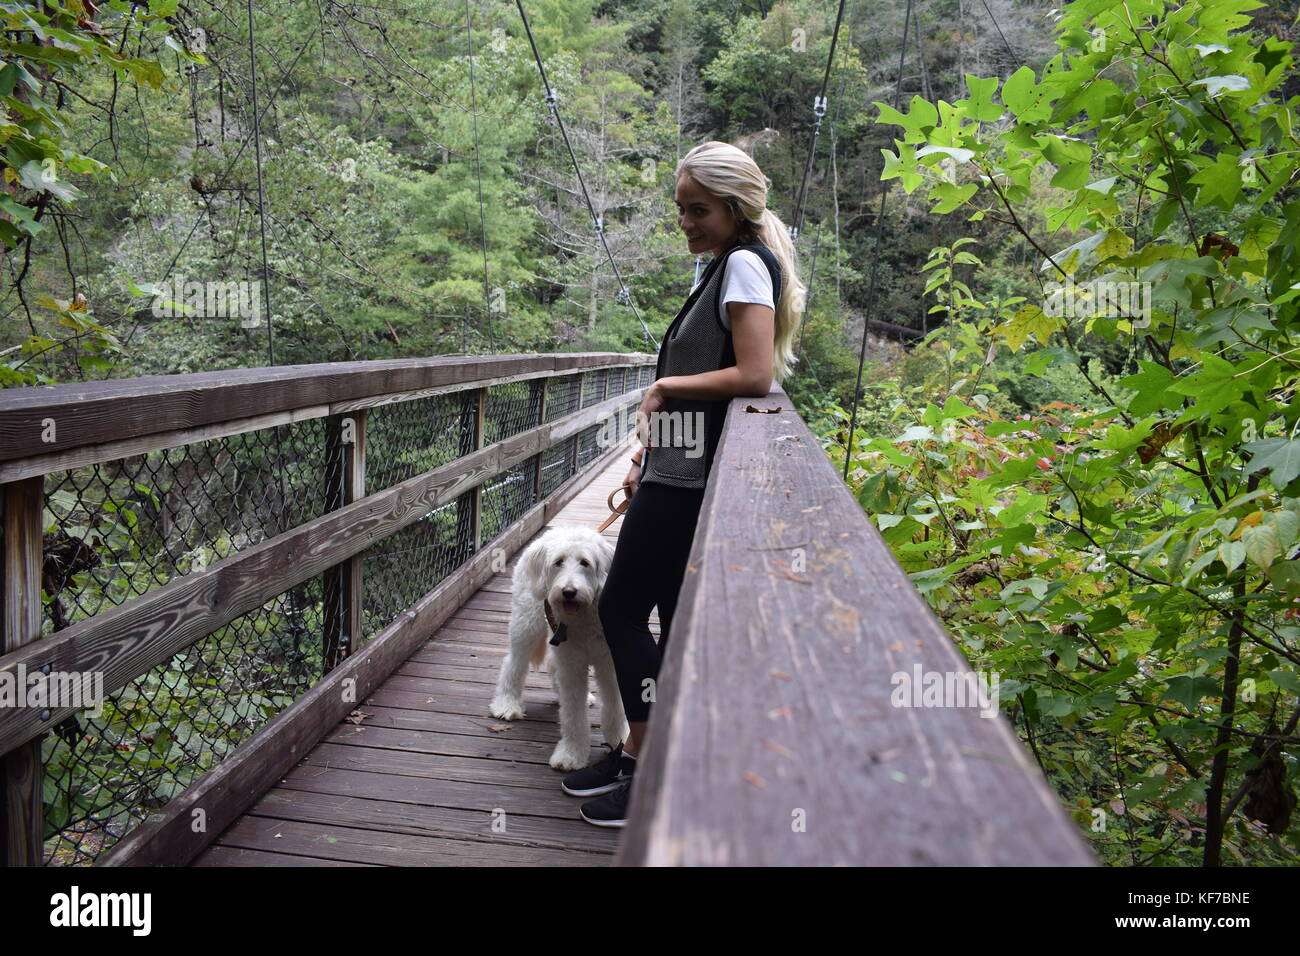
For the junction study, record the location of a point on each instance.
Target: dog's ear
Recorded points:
(533, 565)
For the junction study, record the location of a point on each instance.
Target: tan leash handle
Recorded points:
(621, 509)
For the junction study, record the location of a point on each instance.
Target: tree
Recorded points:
(1132, 564)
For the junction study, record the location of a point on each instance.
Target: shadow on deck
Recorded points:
(422, 775)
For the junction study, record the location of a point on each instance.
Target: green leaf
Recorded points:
(1116, 244)
(1144, 788)
(1280, 456)
(1055, 706)
(902, 166)
(1188, 691)
(1285, 576)
(1072, 176)
(1287, 680)
(922, 113)
(980, 104)
(1220, 182)
(35, 177)
(1021, 94)
(888, 115)
(1174, 277)
(950, 196)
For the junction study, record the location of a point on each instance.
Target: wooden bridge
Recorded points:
(285, 592)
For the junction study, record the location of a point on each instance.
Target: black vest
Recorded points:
(684, 434)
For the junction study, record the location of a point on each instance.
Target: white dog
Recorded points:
(565, 569)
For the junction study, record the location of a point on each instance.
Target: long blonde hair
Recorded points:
(730, 174)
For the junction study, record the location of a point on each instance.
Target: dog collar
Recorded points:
(560, 630)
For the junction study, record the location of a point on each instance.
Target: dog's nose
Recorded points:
(569, 593)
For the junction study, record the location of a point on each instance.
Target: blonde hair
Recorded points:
(730, 174)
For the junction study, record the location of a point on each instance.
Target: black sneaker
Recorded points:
(609, 773)
(609, 810)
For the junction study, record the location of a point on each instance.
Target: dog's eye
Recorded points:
(585, 563)
(558, 562)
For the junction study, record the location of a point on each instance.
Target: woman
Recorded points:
(734, 336)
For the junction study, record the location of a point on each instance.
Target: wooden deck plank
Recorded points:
(334, 842)
(238, 856)
(446, 744)
(533, 727)
(459, 794)
(515, 829)
(422, 774)
(501, 772)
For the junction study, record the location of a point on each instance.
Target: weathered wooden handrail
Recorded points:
(65, 427)
(52, 427)
(775, 739)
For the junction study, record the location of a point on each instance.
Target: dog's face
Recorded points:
(567, 567)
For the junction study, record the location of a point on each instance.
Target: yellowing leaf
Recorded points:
(1030, 320)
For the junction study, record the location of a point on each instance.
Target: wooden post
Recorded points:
(345, 450)
(471, 510)
(22, 812)
(537, 405)
(572, 450)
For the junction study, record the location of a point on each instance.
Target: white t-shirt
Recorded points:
(746, 279)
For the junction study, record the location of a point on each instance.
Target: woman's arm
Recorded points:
(752, 337)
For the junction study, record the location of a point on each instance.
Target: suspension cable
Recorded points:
(478, 170)
(225, 173)
(296, 628)
(596, 220)
(261, 195)
(839, 99)
(875, 259)
(1014, 58)
(819, 110)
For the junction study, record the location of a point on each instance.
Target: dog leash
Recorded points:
(621, 509)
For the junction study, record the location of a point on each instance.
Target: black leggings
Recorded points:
(649, 564)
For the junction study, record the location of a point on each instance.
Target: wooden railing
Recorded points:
(124, 491)
(785, 729)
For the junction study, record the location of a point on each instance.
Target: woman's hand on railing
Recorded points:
(651, 402)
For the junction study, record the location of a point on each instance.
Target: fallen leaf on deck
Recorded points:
(755, 779)
(780, 675)
(763, 411)
(773, 746)
(776, 712)
(790, 577)
(497, 728)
